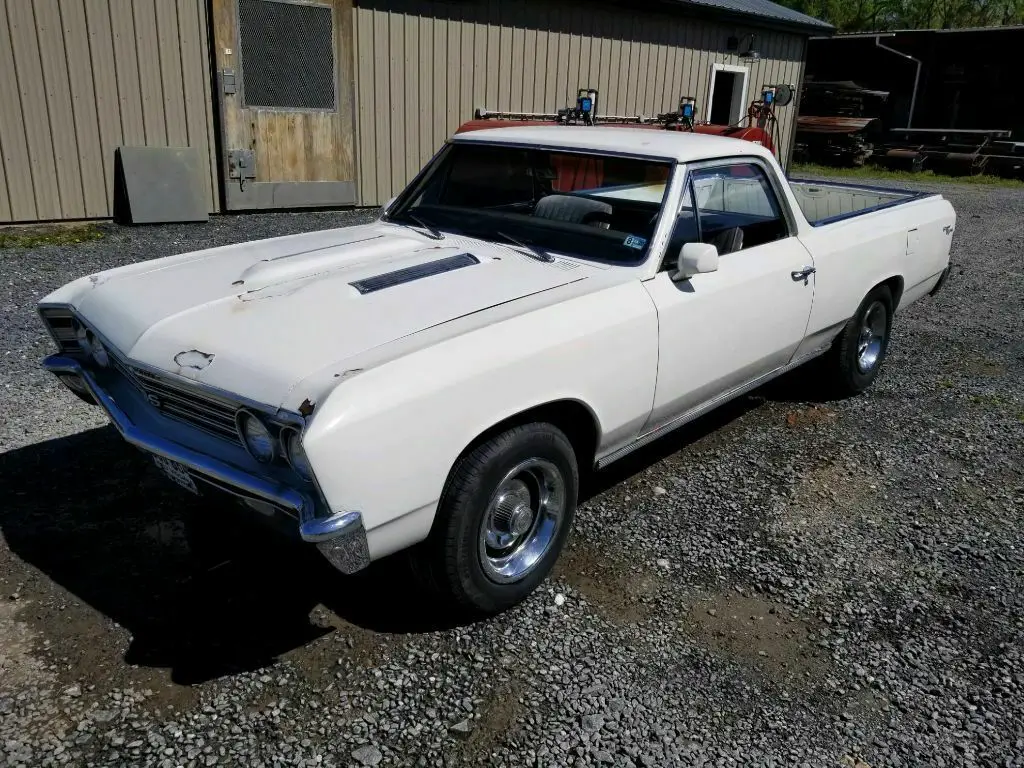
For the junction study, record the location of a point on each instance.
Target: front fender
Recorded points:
(383, 441)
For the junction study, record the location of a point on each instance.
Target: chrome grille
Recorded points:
(197, 408)
(62, 326)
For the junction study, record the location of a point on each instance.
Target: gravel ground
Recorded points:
(785, 583)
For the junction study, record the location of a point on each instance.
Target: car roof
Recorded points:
(681, 146)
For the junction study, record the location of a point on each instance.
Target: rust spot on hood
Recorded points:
(194, 359)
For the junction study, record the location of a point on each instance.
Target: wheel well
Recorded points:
(571, 416)
(895, 286)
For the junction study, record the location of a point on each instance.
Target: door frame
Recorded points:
(250, 194)
(738, 106)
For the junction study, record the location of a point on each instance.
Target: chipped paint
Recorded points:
(306, 408)
(194, 359)
(347, 374)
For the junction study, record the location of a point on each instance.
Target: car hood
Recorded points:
(256, 318)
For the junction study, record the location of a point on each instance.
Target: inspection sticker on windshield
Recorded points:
(634, 242)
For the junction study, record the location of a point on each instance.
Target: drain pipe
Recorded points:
(917, 75)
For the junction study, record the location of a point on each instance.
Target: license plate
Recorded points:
(177, 473)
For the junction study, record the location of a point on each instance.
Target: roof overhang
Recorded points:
(707, 9)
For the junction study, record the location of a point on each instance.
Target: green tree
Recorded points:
(871, 15)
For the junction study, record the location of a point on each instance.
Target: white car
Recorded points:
(538, 302)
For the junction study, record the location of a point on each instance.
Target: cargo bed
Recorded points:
(825, 202)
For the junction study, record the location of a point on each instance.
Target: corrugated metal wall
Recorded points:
(81, 77)
(423, 67)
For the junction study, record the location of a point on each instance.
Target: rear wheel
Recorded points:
(503, 519)
(857, 354)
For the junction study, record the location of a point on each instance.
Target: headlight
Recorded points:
(296, 455)
(257, 438)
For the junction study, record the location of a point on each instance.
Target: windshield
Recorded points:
(589, 205)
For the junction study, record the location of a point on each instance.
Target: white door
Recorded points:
(720, 330)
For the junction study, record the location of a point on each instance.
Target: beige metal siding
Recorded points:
(422, 68)
(79, 78)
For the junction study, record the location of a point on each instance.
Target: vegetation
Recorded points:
(31, 237)
(874, 172)
(872, 15)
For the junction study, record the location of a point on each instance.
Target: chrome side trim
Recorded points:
(700, 410)
(340, 537)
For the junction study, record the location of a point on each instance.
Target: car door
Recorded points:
(720, 330)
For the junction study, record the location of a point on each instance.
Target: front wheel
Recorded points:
(503, 519)
(857, 354)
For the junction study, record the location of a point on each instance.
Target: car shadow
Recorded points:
(90, 514)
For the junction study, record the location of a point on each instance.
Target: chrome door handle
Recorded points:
(803, 274)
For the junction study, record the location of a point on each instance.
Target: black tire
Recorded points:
(454, 562)
(848, 363)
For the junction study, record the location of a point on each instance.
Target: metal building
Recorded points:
(299, 103)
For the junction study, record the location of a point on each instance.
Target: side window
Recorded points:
(737, 207)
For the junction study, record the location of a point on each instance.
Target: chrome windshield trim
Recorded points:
(340, 537)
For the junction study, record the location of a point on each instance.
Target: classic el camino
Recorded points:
(539, 301)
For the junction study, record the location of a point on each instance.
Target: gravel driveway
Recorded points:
(784, 583)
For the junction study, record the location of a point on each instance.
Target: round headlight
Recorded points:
(296, 455)
(257, 437)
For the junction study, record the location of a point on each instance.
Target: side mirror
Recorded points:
(695, 258)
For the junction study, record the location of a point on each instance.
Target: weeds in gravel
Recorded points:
(988, 400)
(37, 236)
(874, 172)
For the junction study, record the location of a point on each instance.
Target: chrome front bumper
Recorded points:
(340, 537)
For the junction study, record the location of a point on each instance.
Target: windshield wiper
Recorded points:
(535, 252)
(434, 232)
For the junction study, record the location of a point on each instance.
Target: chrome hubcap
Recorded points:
(872, 337)
(522, 519)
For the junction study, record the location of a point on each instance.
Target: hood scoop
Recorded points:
(291, 267)
(416, 272)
